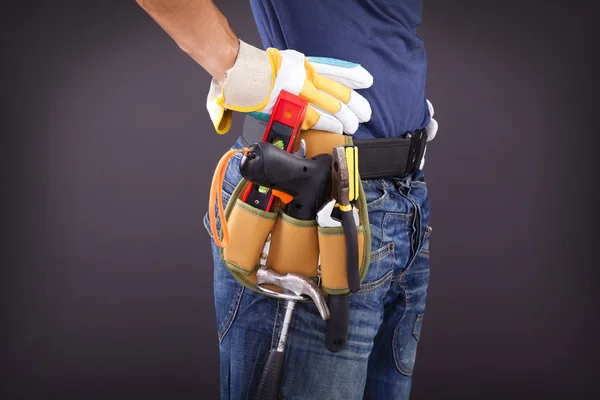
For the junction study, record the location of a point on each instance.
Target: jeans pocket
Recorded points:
(406, 338)
(375, 194)
(381, 263)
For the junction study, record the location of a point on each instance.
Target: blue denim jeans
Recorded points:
(385, 316)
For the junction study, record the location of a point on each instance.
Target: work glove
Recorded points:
(253, 84)
(431, 130)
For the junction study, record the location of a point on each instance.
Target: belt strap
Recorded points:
(378, 158)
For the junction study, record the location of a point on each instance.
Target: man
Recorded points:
(388, 101)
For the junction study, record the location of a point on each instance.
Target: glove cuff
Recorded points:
(249, 82)
(247, 87)
(220, 117)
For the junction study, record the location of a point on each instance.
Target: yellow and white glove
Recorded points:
(431, 130)
(253, 84)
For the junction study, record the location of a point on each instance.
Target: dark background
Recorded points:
(106, 268)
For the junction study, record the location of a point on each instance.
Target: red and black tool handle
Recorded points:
(301, 182)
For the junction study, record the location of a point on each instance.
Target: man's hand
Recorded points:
(199, 29)
(248, 79)
(253, 84)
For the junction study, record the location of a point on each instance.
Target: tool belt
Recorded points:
(379, 158)
(301, 246)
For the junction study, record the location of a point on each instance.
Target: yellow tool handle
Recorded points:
(353, 177)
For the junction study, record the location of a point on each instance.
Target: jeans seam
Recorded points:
(388, 249)
(391, 273)
(415, 248)
(399, 366)
(403, 216)
(425, 252)
(417, 335)
(232, 313)
(226, 196)
(207, 227)
(401, 283)
(229, 183)
(369, 287)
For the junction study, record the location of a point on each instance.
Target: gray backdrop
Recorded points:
(107, 274)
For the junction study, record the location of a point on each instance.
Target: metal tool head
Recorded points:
(324, 218)
(340, 176)
(293, 285)
(302, 150)
(329, 216)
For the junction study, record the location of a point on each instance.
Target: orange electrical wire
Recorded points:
(217, 184)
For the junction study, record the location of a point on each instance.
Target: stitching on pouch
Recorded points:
(238, 268)
(382, 252)
(369, 287)
(255, 214)
(292, 223)
(232, 313)
(424, 254)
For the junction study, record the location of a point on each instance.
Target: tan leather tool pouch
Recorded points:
(294, 246)
(249, 228)
(332, 247)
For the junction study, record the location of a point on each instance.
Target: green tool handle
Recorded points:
(270, 381)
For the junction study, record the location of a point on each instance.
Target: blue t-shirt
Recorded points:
(381, 35)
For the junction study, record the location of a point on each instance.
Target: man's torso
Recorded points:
(378, 34)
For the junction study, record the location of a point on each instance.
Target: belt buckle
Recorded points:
(417, 141)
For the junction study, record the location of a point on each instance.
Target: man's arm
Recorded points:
(199, 29)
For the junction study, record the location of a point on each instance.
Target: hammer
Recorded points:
(294, 287)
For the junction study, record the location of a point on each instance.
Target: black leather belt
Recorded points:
(378, 158)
